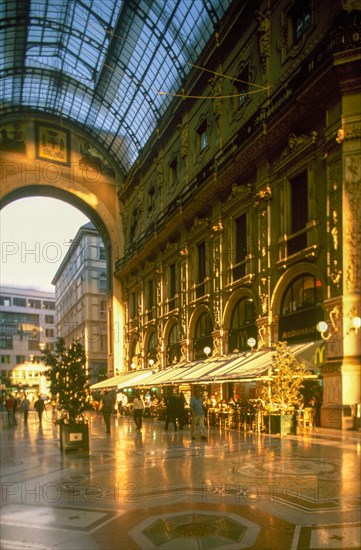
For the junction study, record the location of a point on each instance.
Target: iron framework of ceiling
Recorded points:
(109, 66)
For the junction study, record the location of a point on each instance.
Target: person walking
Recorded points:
(197, 415)
(107, 406)
(138, 409)
(25, 405)
(10, 409)
(39, 406)
(180, 410)
(171, 410)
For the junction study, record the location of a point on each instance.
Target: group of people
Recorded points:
(175, 411)
(15, 404)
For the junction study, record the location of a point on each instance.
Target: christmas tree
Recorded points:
(68, 380)
(287, 376)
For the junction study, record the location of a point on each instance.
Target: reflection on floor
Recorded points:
(160, 490)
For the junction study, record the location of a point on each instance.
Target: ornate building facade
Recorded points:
(242, 219)
(239, 217)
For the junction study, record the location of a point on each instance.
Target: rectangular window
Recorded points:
(103, 308)
(20, 359)
(201, 274)
(6, 342)
(5, 301)
(48, 305)
(20, 302)
(34, 303)
(102, 283)
(133, 305)
(172, 286)
(241, 85)
(300, 18)
(173, 172)
(49, 319)
(239, 269)
(299, 214)
(5, 359)
(203, 136)
(172, 281)
(151, 199)
(102, 253)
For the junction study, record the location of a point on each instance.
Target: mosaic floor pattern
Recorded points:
(158, 490)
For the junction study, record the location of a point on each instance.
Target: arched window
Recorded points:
(152, 348)
(135, 355)
(304, 292)
(174, 346)
(243, 325)
(203, 336)
(301, 309)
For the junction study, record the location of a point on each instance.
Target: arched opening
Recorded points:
(242, 325)
(88, 312)
(301, 309)
(174, 351)
(203, 336)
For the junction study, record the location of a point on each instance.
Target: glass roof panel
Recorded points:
(102, 63)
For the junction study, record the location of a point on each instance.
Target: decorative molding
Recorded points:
(264, 194)
(296, 145)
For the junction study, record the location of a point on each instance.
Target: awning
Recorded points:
(169, 375)
(120, 381)
(246, 366)
(251, 366)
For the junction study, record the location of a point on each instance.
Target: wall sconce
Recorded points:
(251, 342)
(133, 366)
(151, 362)
(207, 350)
(322, 326)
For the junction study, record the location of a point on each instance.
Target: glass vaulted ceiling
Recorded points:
(102, 63)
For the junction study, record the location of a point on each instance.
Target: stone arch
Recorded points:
(24, 174)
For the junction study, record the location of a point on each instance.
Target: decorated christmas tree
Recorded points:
(68, 378)
(287, 376)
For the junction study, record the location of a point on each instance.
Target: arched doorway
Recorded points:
(24, 173)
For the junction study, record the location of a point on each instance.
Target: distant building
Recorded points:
(81, 298)
(27, 323)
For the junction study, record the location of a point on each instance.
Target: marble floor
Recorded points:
(157, 489)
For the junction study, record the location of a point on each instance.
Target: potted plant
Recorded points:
(69, 388)
(282, 395)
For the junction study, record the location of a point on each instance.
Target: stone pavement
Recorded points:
(160, 490)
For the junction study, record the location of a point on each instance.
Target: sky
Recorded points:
(34, 236)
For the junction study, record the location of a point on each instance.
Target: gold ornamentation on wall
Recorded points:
(262, 195)
(262, 332)
(336, 275)
(263, 297)
(352, 235)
